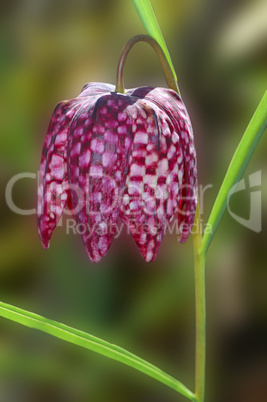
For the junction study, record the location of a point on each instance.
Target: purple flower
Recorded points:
(109, 155)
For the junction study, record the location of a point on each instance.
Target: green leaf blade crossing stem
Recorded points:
(236, 168)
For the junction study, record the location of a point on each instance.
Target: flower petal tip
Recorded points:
(45, 243)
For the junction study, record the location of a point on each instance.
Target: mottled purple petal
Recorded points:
(53, 182)
(98, 156)
(170, 102)
(154, 178)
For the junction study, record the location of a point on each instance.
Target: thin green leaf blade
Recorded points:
(236, 168)
(148, 18)
(92, 343)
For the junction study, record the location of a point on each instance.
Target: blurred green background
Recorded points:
(48, 51)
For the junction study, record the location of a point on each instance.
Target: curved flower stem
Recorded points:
(171, 81)
(200, 352)
(149, 20)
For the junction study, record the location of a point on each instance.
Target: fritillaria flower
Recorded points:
(111, 155)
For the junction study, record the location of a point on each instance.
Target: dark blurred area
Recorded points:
(48, 51)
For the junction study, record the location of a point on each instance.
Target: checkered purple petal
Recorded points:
(53, 192)
(98, 156)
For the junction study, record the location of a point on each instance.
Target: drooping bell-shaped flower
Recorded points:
(111, 154)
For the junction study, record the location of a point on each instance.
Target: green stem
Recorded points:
(235, 171)
(171, 81)
(200, 351)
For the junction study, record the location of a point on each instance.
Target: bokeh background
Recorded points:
(48, 51)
